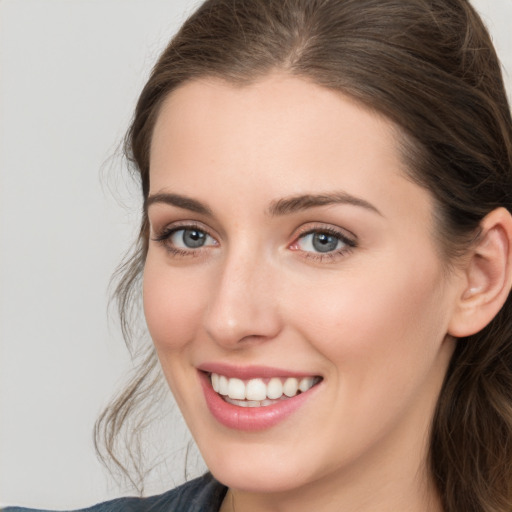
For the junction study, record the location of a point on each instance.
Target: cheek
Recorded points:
(373, 322)
(382, 335)
(172, 306)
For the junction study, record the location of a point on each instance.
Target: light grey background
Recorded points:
(70, 72)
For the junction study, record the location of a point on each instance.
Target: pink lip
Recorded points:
(249, 372)
(251, 419)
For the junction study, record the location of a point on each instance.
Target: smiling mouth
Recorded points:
(260, 392)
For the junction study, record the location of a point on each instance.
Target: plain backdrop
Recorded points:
(70, 73)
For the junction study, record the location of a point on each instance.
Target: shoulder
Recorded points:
(204, 494)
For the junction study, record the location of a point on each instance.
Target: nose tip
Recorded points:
(243, 307)
(232, 332)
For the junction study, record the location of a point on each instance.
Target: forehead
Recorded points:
(291, 102)
(278, 137)
(276, 119)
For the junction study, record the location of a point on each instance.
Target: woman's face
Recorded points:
(288, 249)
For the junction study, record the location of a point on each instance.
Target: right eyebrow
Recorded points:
(184, 202)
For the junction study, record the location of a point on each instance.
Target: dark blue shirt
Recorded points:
(203, 494)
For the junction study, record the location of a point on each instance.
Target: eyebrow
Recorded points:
(279, 207)
(294, 204)
(180, 201)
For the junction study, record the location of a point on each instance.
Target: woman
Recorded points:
(326, 256)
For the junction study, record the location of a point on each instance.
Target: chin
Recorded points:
(261, 480)
(263, 465)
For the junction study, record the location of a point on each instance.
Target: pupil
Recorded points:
(323, 242)
(193, 238)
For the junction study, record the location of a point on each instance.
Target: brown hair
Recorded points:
(430, 66)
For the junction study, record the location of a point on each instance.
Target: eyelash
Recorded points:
(348, 243)
(165, 235)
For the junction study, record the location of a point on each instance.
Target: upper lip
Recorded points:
(250, 372)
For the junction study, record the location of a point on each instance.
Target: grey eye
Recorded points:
(191, 238)
(323, 242)
(320, 242)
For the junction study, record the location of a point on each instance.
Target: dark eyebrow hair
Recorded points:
(180, 201)
(277, 207)
(303, 202)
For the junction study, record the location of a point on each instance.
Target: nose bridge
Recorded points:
(243, 304)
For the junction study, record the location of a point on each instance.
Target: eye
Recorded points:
(190, 238)
(319, 242)
(323, 242)
(185, 240)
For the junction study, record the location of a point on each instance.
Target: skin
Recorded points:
(372, 321)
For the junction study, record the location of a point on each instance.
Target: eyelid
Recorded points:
(183, 230)
(163, 237)
(348, 239)
(171, 227)
(318, 227)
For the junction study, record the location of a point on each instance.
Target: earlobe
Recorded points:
(488, 276)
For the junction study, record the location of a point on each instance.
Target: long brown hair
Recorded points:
(430, 66)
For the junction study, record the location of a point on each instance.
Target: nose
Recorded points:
(244, 305)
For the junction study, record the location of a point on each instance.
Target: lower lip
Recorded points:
(250, 418)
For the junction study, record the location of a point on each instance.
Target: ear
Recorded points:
(488, 276)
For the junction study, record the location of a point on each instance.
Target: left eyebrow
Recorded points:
(294, 204)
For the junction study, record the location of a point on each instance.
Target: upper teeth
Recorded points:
(257, 389)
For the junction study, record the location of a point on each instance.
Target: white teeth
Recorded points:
(256, 390)
(306, 383)
(223, 385)
(215, 382)
(244, 403)
(252, 403)
(236, 389)
(255, 393)
(274, 388)
(291, 386)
